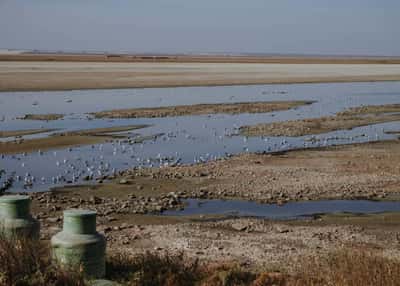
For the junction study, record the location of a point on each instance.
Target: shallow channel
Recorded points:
(292, 210)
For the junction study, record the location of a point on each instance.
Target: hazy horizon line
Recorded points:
(190, 53)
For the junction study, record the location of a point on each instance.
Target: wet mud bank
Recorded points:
(61, 139)
(201, 109)
(348, 119)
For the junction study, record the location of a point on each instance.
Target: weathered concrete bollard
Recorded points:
(79, 244)
(15, 218)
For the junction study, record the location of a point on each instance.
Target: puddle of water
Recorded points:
(186, 139)
(287, 211)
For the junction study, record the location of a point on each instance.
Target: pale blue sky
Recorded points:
(179, 26)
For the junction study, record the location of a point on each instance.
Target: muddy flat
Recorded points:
(360, 171)
(349, 119)
(59, 75)
(363, 171)
(17, 133)
(44, 117)
(61, 140)
(253, 243)
(354, 171)
(200, 109)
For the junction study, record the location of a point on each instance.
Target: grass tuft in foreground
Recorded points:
(154, 269)
(29, 263)
(349, 267)
(25, 262)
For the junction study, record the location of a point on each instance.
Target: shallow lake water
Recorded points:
(185, 139)
(291, 210)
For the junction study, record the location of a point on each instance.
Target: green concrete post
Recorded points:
(79, 245)
(15, 218)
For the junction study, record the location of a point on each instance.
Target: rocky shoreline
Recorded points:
(325, 173)
(129, 206)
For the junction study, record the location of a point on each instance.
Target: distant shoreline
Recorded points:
(33, 72)
(122, 57)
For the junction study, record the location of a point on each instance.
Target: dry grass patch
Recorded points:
(29, 263)
(153, 269)
(349, 268)
(25, 262)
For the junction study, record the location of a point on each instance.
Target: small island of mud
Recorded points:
(348, 119)
(19, 133)
(65, 139)
(44, 117)
(202, 109)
